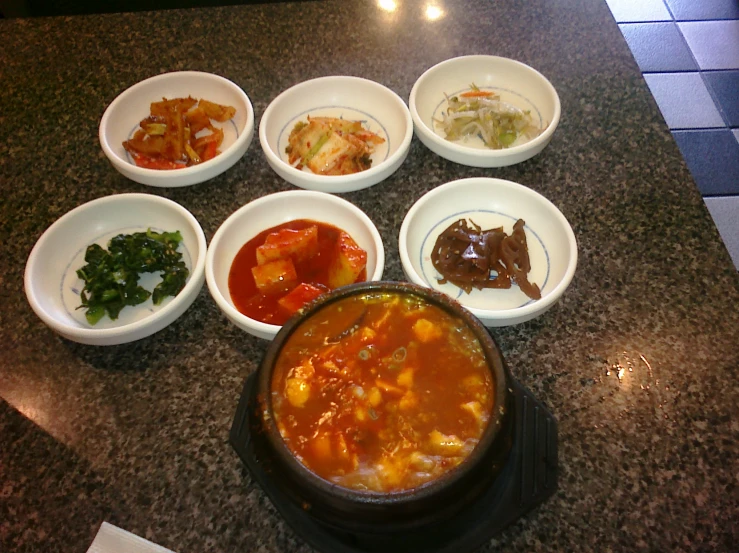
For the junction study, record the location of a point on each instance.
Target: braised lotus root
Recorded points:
(470, 257)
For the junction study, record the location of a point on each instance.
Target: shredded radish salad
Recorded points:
(481, 113)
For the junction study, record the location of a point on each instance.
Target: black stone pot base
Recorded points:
(528, 477)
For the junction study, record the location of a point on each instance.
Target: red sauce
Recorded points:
(381, 392)
(314, 271)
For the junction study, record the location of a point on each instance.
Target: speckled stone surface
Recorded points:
(638, 361)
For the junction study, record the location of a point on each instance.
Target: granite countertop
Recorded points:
(638, 362)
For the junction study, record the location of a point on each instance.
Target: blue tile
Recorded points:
(724, 85)
(691, 10)
(631, 11)
(725, 213)
(658, 47)
(714, 44)
(713, 160)
(684, 100)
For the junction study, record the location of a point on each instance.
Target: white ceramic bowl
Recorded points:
(516, 83)
(272, 210)
(491, 203)
(53, 287)
(381, 110)
(121, 120)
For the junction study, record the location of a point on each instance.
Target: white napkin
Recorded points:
(111, 539)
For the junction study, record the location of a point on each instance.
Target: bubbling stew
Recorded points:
(381, 392)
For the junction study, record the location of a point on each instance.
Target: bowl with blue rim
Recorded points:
(487, 203)
(61, 270)
(375, 107)
(484, 111)
(122, 118)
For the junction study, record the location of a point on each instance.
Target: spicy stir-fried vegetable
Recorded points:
(178, 133)
(481, 113)
(470, 257)
(111, 276)
(381, 392)
(331, 146)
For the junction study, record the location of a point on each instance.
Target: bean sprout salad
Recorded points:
(482, 114)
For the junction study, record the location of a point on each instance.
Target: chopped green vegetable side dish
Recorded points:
(112, 276)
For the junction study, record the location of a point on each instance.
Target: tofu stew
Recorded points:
(381, 392)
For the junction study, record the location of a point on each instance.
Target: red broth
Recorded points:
(313, 271)
(381, 392)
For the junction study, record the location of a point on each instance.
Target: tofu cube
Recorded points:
(322, 447)
(297, 391)
(375, 397)
(405, 378)
(348, 263)
(296, 244)
(473, 408)
(443, 444)
(299, 296)
(426, 331)
(275, 277)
